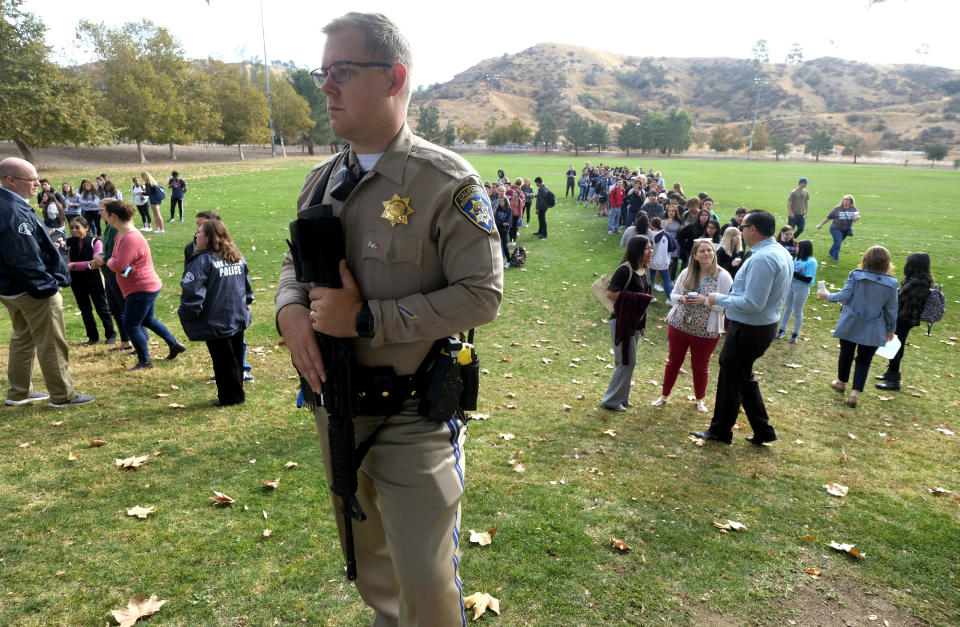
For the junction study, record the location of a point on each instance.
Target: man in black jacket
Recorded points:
(542, 205)
(32, 271)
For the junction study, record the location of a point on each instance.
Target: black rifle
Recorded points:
(317, 249)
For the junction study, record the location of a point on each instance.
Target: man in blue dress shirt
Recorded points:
(753, 308)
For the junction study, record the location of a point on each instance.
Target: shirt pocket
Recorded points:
(392, 248)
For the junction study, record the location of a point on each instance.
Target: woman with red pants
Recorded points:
(693, 324)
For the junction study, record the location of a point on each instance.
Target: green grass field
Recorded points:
(69, 554)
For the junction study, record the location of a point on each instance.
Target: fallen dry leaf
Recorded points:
(836, 489)
(945, 430)
(851, 436)
(814, 572)
(506, 436)
(132, 462)
(137, 608)
(161, 395)
(27, 444)
(71, 456)
(696, 440)
(56, 423)
(793, 365)
(141, 512)
(289, 465)
(481, 602)
(219, 498)
(846, 548)
(619, 545)
(881, 397)
(938, 491)
(267, 533)
(731, 525)
(610, 432)
(97, 442)
(176, 406)
(271, 484)
(483, 538)
(810, 539)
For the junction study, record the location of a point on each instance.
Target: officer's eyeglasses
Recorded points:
(20, 178)
(340, 71)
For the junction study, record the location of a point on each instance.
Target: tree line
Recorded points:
(140, 89)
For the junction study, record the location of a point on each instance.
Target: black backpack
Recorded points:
(933, 308)
(550, 199)
(518, 257)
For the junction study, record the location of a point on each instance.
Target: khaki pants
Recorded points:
(407, 550)
(38, 332)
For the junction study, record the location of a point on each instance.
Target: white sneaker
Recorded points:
(660, 402)
(170, 220)
(146, 228)
(159, 231)
(658, 287)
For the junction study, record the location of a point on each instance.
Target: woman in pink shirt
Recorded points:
(138, 282)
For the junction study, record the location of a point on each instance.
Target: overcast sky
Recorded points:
(450, 37)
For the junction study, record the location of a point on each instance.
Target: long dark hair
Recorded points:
(642, 223)
(805, 250)
(636, 247)
(917, 267)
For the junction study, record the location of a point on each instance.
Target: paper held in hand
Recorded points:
(890, 349)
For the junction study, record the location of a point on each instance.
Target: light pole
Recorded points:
(490, 78)
(266, 71)
(759, 83)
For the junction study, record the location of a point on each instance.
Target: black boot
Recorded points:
(886, 376)
(892, 382)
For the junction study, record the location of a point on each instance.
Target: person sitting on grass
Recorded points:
(214, 306)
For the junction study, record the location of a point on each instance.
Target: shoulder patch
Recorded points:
(187, 278)
(24, 229)
(473, 203)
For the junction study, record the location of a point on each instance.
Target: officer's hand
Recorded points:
(336, 309)
(294, 324)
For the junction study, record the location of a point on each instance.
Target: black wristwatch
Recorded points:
(365, 321)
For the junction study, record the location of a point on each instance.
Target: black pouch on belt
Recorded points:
(442, 397)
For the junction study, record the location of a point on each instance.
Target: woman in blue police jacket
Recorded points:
(214, 306)
(868, 319)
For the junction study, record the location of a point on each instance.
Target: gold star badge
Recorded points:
(396, 210)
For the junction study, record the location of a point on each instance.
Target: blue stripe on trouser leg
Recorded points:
(454, 426)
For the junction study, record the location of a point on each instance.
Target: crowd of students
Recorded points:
(681, 241)
(112, 274)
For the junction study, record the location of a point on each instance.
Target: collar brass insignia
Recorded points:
(396, 210)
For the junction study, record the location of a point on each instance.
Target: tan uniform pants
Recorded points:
(38, 332)
(407, 550)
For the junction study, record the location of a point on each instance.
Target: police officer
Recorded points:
(422, 262)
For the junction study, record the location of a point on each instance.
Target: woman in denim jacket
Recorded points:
(868, 319)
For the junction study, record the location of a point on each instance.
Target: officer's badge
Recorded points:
(24, 229)
(472, 201)
(396, 210)
(187, 278)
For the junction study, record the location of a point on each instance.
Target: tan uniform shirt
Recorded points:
(428, 263)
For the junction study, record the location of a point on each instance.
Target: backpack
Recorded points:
(158, 194)
(661, 251)
(600, 186)
(550, 199)
(518, 257)
(933, 308)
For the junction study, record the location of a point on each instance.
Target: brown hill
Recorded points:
(891, 106)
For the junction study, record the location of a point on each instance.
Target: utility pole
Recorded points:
(266, 71)
(490, 78)
(758, 82)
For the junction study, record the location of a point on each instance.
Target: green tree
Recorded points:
(499, 135)
(40, 104)
(578, 132)
(761, 52)
(653, 131)
(518, 132)
(761, 138)
(679, 136)
(546, 132)
(320, 134)
(242, 106)
(935, 152)
(599, 136)
(780, 146)
(628, 136)
(449, 133)
(291, 112)
(854, 147)
(428, 123)
(724, 138)
(795, 56)
(821, 142)
(468, 133)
